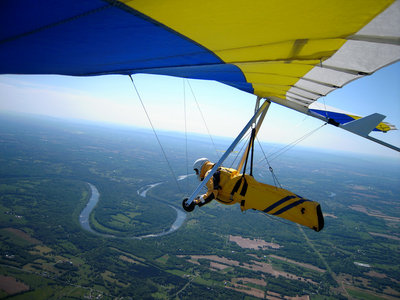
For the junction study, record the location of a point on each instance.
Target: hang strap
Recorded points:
(251, 144)
(253, 135)
(243, 178)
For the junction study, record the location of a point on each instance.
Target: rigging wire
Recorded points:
(186, 140)
(246, 139)
(204, 120)
(274, 177)
(155, 133)
(326, 111)
(275, 219)
(294, 143)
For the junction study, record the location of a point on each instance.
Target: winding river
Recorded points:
(94, 198)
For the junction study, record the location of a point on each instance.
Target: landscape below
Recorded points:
(46, 166)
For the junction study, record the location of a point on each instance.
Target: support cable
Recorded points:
(155, 133)
(276, 218)
(294, 143)
(246, 139)
(186, 139)
(274, 177)
(204, 120)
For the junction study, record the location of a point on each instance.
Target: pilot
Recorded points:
(227, 186)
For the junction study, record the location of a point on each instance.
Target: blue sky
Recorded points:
(112, 99)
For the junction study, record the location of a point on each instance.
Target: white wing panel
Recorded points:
(300, 92)
(320, 89)
(330, 77)
(386, 24)
(373, 47)
(362, 56)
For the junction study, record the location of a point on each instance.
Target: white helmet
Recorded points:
(198, 164)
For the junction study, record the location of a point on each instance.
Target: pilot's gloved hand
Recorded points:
(199, 200)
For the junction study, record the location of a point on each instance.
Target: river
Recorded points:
(144, 189)
(94, 198)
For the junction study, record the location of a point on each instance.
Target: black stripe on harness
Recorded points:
(236, 187)
(277, 203)
(244, 188)
(242, 192)
(282, 210)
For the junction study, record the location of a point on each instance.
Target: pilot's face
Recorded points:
(197, 174)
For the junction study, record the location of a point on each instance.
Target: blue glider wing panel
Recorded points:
(98, 38)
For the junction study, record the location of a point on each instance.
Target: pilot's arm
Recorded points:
(209, 196)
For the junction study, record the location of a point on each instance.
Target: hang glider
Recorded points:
(290, 52)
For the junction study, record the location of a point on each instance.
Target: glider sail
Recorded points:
(291, 52)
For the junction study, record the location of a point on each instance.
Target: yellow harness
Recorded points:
(230, 187)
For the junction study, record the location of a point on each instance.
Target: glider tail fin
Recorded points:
(364, 126)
